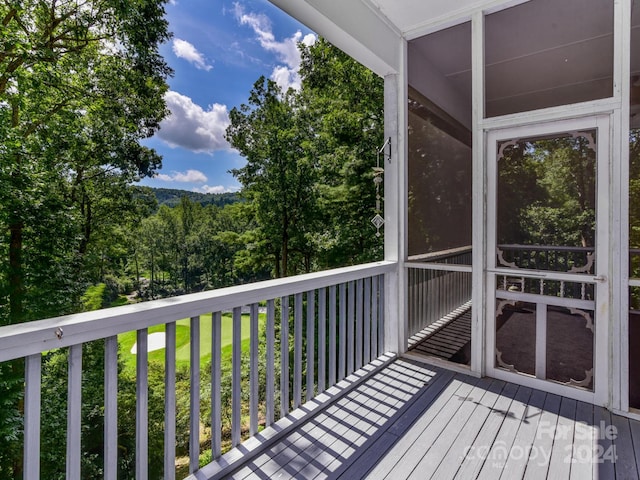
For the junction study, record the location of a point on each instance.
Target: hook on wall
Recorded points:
(384, 152)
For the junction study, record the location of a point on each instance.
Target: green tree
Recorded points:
(344, 105)
(279, 178)
(80, 84)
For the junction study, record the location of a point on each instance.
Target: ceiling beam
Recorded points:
(353, 27)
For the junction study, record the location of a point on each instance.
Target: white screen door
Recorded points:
(547, 256)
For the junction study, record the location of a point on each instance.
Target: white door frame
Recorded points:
(600, 394)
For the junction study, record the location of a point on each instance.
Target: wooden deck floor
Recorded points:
(449, 338)
(411, 420)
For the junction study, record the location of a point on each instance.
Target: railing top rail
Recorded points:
(545, 248)
(439, 255)
(17, 341)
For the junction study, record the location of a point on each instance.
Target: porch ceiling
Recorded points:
(411, 16)
(371, 30)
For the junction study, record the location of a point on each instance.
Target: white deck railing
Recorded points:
(437, 284)
(339, 314)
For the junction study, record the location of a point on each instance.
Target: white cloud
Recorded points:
(190, 176)
(286, 76)
(215, 189)
(184, 49)
(191, 127)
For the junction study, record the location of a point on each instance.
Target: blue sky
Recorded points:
(218, 50)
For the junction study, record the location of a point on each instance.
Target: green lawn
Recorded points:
(128, 339)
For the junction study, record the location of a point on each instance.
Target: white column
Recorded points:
(619, 210)
(395, 206)
(479, 291)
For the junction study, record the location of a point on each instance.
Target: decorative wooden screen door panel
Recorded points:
(547, 256)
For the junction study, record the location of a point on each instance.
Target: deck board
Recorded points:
(626, 461)
(432, 456)
(603, 470)
(412, 420)
(451, 462)
(583, 442)
(541, 447)
(560, 463)
(516, 463)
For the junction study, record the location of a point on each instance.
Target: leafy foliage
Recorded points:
(546, 193)
(309, 175)
(80, 84)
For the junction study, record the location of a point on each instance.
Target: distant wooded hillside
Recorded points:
(171, 197)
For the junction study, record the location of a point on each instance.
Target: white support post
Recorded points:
(479, 254)
(619, 284)
(395, 205)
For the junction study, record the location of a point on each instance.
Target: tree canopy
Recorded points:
(310, 157)
(81, 83)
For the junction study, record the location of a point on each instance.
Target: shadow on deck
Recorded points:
(412, 420)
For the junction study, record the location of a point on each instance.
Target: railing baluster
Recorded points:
(32, 408)
(351, 303)
(419, 307)
(322, 339)
(421, 304)
(194, 394)
(297, 351)
(428, 286)
(253, 370)
(381, 316)
(110, 408)
(284, 356)
(236, 377)
(311, 314)
(74, 412)
(359, 329)
(332, 335)
(342, 360)
(411, 301)
(374, 317)
(170, 401)
(216, 387)
(142, 406)
(270, 374)
(367, 320)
